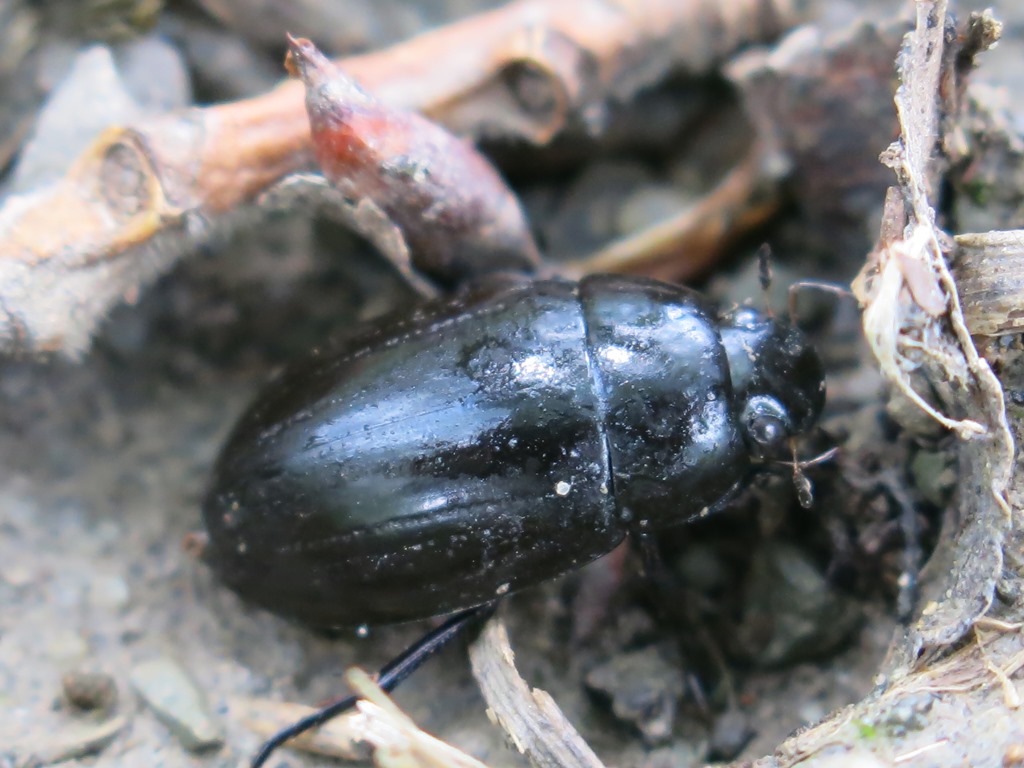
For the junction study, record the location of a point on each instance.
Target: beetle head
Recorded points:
(777, 378)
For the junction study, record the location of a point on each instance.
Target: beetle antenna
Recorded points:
(820, 285)
(764, 275)
(804, 489)
(390, 675)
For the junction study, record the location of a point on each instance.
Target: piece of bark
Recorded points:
(939, 702)
(79, 740)
(989, 270)
(144, 193)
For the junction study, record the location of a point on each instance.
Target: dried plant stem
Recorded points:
(530, 717)
(339, 738)
(911, 303)
(687, 245)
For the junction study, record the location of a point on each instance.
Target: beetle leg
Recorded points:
(389, 677)
(647, 545)
(656, 571)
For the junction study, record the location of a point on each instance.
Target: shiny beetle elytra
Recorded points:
(444, 457)
(489, 442)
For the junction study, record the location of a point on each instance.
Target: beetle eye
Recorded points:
(766, 430)
(767, 424)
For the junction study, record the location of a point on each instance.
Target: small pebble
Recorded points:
(934, 475)
(634, 626)
(1013, 756)
(107, 532)
(89, 690)
(909, 713)
(791, 612)
(178, 703)
(731, 733)
(644, 687)
(650, 205)
(90, 97)
(681, 753)
(154, 73)
(700, 567)
(65, 645)
(109, 592)
(18, 575)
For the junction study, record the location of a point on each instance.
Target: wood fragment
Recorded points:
(376, 730)
(530, 717)
(988, 622)
(908, 756)
(340, 737)
(394, 737)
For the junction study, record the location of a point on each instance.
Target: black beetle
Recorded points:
(444, 457)
(482, 444)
